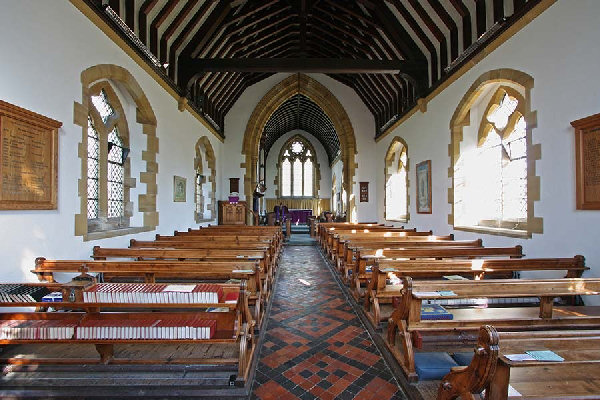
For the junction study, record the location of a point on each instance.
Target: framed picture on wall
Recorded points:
(424, 187)
(178, 188)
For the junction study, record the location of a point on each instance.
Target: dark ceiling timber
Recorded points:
(390, 52)
(299, 112)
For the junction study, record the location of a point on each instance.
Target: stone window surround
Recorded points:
(212, 179)
(389, 158)
(102, 223)
(316, 167)
(461, 119)
(144, 116)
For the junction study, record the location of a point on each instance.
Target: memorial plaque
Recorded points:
(364, 192)
(28, 159)
(587, 147)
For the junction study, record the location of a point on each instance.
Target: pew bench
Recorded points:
(407, 329)
(380, 294)
(260, 256)
(366, 258)
(152, 271)
(133, 337)
(351, 248)
(490, 370)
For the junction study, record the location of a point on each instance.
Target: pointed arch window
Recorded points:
(396, 182)
(491, 178)
(107, 161)
(297, 168)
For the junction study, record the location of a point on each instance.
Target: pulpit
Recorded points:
(232, 213)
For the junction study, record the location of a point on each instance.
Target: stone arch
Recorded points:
(320, 95)
(461, 118)
(144, 116)
(209, 153)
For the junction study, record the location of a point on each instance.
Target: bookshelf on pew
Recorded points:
(576, 377)
(407, 329)
(366, 258)
(152, 271)
(193, 325)
(351, 248)
(380, 294)
(226, 255)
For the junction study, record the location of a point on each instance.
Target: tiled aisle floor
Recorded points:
(315, 346)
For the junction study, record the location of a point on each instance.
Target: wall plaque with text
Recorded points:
(364, 192)
(28, 159)
(587, 158)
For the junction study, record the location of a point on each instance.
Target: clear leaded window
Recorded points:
(107, 152)
(93, 170)
(297, 168)
(396, 185)
(491, 178)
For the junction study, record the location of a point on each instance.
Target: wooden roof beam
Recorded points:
(323, 65)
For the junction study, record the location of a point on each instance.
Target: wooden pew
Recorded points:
(577, 377)
(233, 334)
(324, 227)
(367, 258)
(234, 230)
(379, 295)
(350, 247)
(406, 330)
(152, 271)
(261, 256)
(332, 233)
(336, 240)
(198, 244)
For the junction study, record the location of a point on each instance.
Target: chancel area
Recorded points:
(313, 199)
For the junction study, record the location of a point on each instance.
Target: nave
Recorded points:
(315, 345)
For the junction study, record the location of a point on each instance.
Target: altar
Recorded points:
(299, 216)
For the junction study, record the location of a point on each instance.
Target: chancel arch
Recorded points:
(303, 85)
(493, 170)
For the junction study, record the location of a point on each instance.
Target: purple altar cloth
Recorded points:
(299, 216)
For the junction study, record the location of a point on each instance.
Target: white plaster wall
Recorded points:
(273, 157)
(559, 49)
(360, 117)
(50, 43)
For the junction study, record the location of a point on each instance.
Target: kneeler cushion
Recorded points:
(463, 358)
(433, 365)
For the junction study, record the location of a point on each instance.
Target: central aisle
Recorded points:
(315, 346)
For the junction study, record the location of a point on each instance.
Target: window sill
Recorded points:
(495, 231)
(115, 233)
(404, 220)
